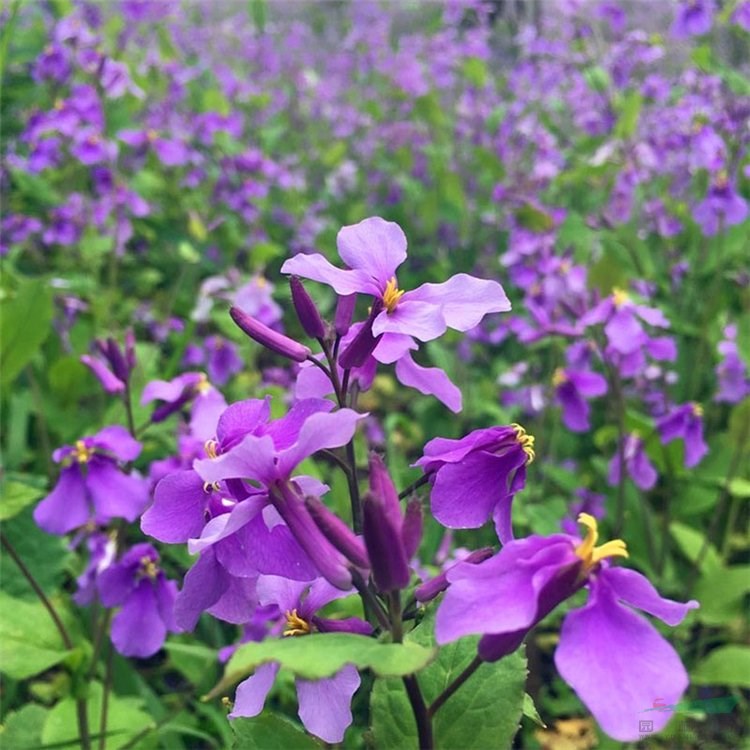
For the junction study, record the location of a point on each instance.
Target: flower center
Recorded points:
(149, 568)
(559, 377)
(697, 409)
(620, 297)
(82, 452)
(296, 625)
(211, 446)
(587, 549)
(391, 295)
(526, 441)
(203, 386)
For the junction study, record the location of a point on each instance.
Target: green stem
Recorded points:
(414, 486)
(83, 722)
(105, 699)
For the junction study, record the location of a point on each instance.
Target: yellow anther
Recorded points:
(620, 297)
(93, 139)
(261, 281)
(211, 486)
(210, 447)
(203, 385)
(697, 409)
(81, 452)
(587, 549)
(392, 295)
(59, 104)
(526, 441)
(721, 180)
(565, 266)
(149, 569)
(151, 135)
(559, 377)
(296, 625)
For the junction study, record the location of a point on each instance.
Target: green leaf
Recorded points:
(22, 729)
(25, 323)
(29, 641)
(15, 496)
(728, 665)
(270, 732)
(739, 488)
(721, 593)
(125, 719)
(471, 718)
(322, 655)
(693, 544)
(630, 111)
(532, 218)
(530, 711)
(194, 660)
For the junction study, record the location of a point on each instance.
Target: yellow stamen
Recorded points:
(526, 441)
(211, 486)
(587, 549)
(392, 295)
(82, 453)
(565, 266)
(295, 625)
(559, 377)
(203, 385)
(151, 135)
(722, 180)
(697, 409)
(149, 569)
(210, 447)
(620, 297)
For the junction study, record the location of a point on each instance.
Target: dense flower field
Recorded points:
(375, 373)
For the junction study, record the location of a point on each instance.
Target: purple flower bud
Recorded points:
(390, 567)
(307, 311)
(269, 338)
(130, 348)
(430, 589)
(344, 625)
(364, 343)
(411, 531)
(382, 487)
(117, 360)
(331, 564)
(337, 532)
(344, 312)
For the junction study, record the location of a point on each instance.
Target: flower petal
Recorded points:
(375, 247)
(203, 586)
(177, 513)
(114, 494)
(431, 381)
(251, 694)
(325, 705)
(228, 523)
(137, 629)
(314, 266)
(423, 320)
(252, 458)
(66, 507)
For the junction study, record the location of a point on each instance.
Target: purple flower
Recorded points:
(137, 585)
(373, 250)
(477, 476)
(324, 705)
(741, 15)
(622, 321)
(91, 485)
(611, 656)
(731, 372)
(572, 388)
(636, 462)
(685, 422)
(694, 18)
(102, 550)
(114, 366)
(722, 207)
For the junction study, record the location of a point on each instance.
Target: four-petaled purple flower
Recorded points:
(92, 487)
(572, 389)
(137, 585)
(685, 422)
(476, 477)
(632, 455)
(611, 656)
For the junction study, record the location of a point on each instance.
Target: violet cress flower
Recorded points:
(612, 657)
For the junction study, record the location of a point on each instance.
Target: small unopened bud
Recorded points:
(265, 336)
(390, 567)
(331, 564)
(337, 532)
(117, 360)
(364, 343)
(342, 320)
(344, 625)
(130, 348)
(307, 311)
(382, 487)
(430, 589)
(411, 530)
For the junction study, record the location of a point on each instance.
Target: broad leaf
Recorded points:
(728, 665)
(484, 712)
(270, 732)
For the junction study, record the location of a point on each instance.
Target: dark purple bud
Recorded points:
(364, 343)
(390, 567)
(382, 487)
(411, 530)
(117, 361)
(345, 625)
(430, 589)
(342, 320)
(269, 338)
(130, 349)
(307, 311)
(331, 564)
(170, 407)
(337, 532)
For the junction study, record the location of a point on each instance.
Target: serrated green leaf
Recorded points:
(15, 496)
(470, 718)
(728, 665)
(22, 729)
(530, 711)
(270, 732)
